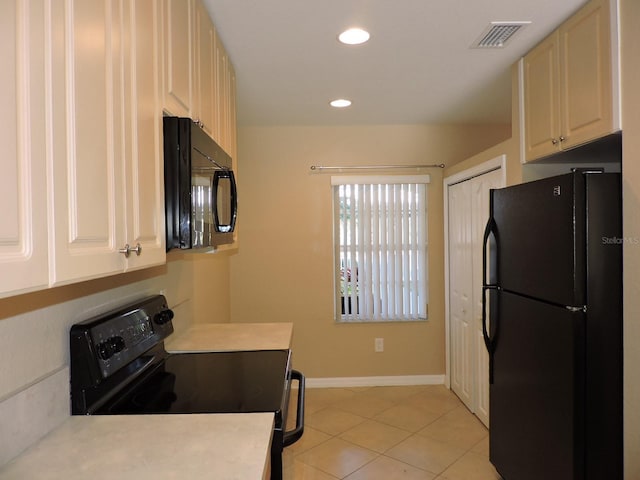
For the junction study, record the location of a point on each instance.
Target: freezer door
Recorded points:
(537, 395)
(540, 230)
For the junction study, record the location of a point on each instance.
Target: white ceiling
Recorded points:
(417, 68)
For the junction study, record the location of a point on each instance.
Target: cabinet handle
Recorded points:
(554, 141)
(562, 139)
(127, 250)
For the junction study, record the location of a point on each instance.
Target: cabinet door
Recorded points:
(586, 94)
(144, 184)
(541, 102)
(23, 229)
(87, 211)
(205, 70)
(233, 117)
(222, 94)
(178, 57)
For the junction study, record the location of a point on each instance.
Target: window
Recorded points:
(380, 236)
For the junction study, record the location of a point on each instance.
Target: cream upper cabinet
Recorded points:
(198, 77)
(233, 117)
(83, 93)
(85, 129)
(144, 167)
(586, 73)
(104, 127)
(205, 106)
(568, 94)
(178, 56)
(541, 102)
(222, 94)
(225, 133)
(23, 196)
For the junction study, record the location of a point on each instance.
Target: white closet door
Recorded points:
(480, 187)
(468, 215)
(460, 291)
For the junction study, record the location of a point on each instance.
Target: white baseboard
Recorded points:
(396, 380)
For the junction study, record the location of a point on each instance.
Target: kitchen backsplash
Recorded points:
(34, 346)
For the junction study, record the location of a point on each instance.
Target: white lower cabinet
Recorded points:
(104, 128)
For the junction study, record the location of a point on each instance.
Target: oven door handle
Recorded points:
(292, 436)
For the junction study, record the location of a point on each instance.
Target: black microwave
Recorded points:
(201, 201)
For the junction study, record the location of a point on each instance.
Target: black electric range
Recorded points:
(119, 366)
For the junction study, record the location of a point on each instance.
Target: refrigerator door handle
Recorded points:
(489, 342)
(490, 229)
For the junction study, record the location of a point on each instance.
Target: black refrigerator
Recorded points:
(553, 327)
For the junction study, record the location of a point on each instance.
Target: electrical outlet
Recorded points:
(378, 345)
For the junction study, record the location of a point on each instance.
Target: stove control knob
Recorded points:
(117, 343)
(163, 317)
(104, 351)
(110, 347)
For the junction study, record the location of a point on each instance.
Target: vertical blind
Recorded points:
(380, 232)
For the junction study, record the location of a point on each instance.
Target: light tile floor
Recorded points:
(387, 433)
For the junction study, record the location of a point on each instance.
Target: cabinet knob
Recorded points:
(562, 139)
(127, 250)
(554, 141)
(137, 250)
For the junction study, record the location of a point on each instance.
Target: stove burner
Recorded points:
(158, 400)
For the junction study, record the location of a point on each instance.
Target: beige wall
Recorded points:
(211, 287)
(509, 147)
(630, 43)
(283, 271)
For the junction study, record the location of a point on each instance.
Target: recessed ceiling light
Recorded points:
(340, 103)
(354, 36)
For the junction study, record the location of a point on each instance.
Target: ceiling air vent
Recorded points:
(497, 34)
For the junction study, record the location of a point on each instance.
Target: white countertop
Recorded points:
(228, 337)
(154, 447)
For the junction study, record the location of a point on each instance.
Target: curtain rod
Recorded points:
(375, 167)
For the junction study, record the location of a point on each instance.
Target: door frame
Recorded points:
(496, 163)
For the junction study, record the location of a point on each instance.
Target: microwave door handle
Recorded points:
(233, 193)
(234, 200)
